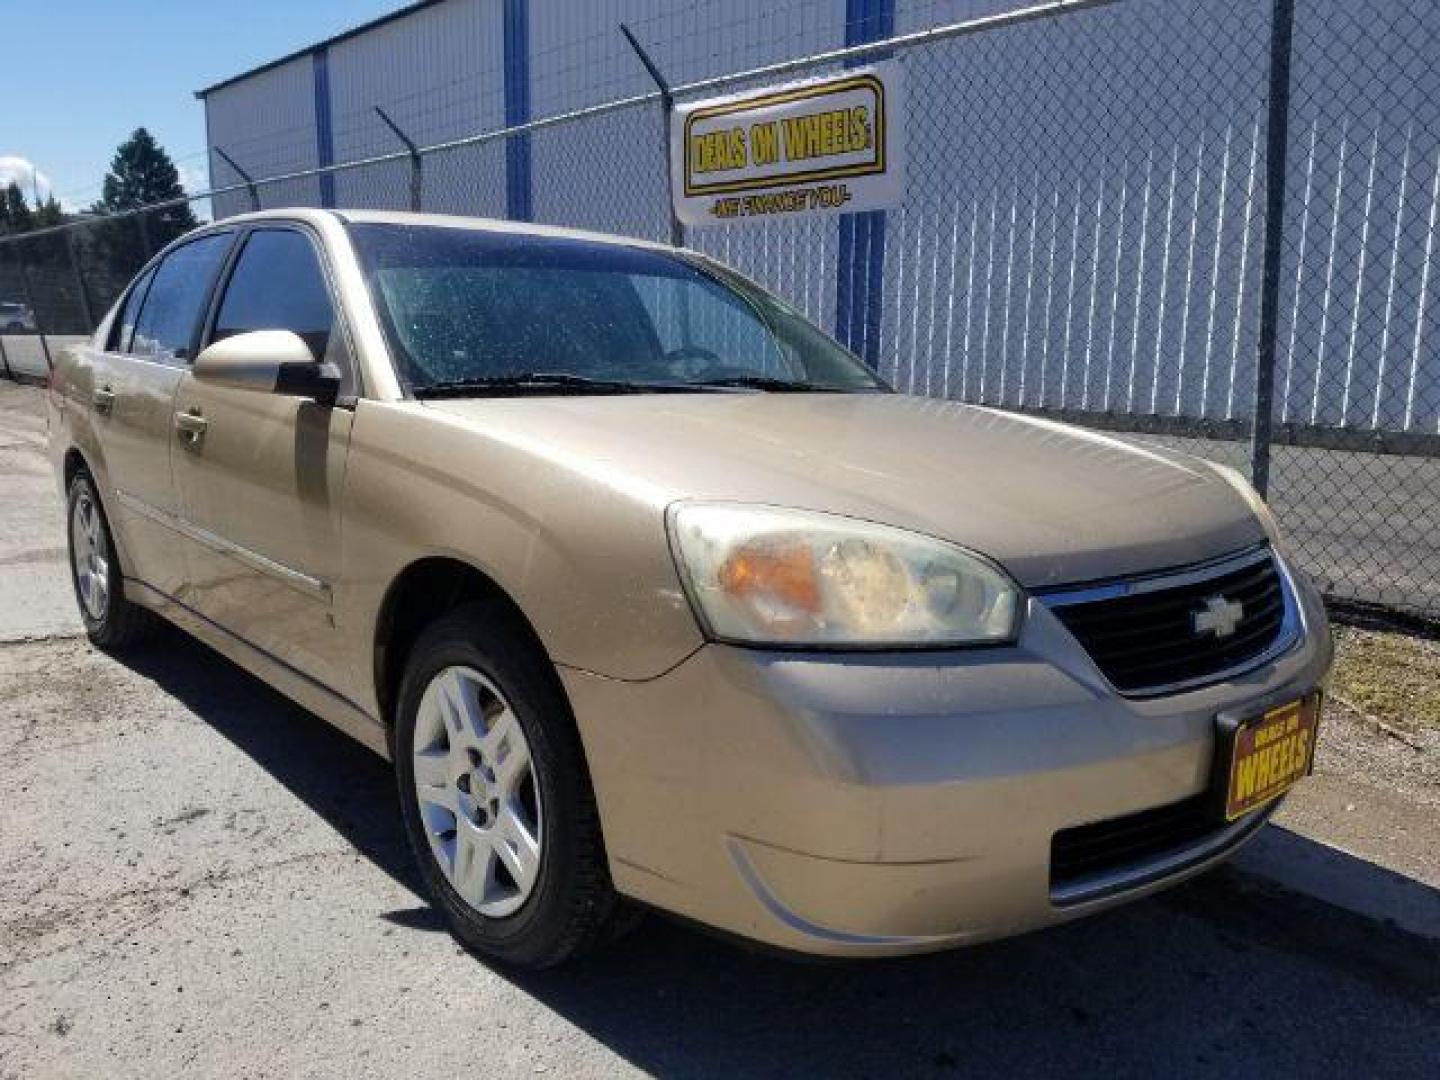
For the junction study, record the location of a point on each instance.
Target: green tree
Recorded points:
(141, 173)
(15, 215)
(48, 214)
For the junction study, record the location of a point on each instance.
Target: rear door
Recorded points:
(132, 401)
(260, 484)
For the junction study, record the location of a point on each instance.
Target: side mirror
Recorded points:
(270, 362)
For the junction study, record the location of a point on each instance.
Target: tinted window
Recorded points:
(172, 306)
(278, 285)
(124, 327)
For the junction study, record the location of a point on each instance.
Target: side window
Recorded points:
(124, 328)
(177, 294)
(277, 284)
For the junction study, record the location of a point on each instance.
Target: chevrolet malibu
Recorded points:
(656, 596)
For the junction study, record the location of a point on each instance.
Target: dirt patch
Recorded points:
(1392, 678)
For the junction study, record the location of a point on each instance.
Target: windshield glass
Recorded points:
(465, 306)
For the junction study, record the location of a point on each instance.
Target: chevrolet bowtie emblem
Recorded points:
(1219, 617)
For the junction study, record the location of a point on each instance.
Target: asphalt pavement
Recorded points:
(197, 878)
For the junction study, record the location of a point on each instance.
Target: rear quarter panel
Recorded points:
(70, 422)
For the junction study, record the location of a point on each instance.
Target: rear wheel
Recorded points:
(496, 797)
(111, 621)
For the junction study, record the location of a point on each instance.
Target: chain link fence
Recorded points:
(1090, 189)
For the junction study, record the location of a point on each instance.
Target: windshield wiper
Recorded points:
(768, 382)
(546, 382)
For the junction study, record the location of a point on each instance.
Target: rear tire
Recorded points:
(502, 818)
(111, 621)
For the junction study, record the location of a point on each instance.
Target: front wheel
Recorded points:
(495, 794)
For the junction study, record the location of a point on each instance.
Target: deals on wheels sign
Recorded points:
(820, 146)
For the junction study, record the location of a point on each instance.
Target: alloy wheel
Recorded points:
(479, 799)
(88, 554)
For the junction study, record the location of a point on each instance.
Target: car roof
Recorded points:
(446, 221)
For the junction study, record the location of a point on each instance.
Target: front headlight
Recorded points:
(768, 575)
(1252, 498)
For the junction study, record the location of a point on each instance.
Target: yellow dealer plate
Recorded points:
(1269, 753)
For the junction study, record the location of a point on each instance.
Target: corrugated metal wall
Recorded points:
(438, 74)
(267, 124)
(1084, 213)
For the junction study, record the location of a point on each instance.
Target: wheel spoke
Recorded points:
(462, 708)
(517, 848)
(502, 737)
(513, 767)
(473, 872)
(433, 772)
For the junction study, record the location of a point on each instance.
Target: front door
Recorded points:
(133, 404)
(259, 475)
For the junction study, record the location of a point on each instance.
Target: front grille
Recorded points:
(1119, 843)
(1143, 635)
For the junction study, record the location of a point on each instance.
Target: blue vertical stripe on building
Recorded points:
(516, 16)
(860, 263)
(324, 129)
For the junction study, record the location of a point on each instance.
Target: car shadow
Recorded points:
(1224, 975)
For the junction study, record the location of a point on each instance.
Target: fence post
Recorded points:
(246, 177)
(144, 229)
(34, 311)
(417, 163)
(667, 104)
(84, 292)
(1277, 144)
(5, 357)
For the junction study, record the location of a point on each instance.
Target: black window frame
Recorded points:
(351, 372)
(207, 295)
(140, 285)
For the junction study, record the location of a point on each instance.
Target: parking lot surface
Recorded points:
(197, 878)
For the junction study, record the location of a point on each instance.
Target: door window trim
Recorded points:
(206, 299)
(322, 258)
(144, 278)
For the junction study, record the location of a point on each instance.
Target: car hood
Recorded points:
(1052, 503)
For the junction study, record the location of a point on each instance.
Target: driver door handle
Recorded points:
(191, 426)
(103, 398)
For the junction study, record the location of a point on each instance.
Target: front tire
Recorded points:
(495, 793)
(111, 621)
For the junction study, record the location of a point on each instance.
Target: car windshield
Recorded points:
(470, 311)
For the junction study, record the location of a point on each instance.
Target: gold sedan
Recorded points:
(656, 596)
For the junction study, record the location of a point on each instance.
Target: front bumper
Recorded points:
(900, 802)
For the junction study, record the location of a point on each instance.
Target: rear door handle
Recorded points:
(191, 426)
(103, 398)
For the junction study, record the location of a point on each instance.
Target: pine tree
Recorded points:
(15, 215)
(141, 173)
(49, 214)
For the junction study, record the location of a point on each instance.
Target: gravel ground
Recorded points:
(197, 878)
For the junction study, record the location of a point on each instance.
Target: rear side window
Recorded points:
(124, 328)
(278, 284)
(171, 310)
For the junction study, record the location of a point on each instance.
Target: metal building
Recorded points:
(1083, 220)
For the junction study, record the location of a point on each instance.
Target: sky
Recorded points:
(78, 76)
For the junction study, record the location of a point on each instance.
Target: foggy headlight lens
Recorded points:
(767, 575)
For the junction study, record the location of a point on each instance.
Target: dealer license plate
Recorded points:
(1269, 753)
